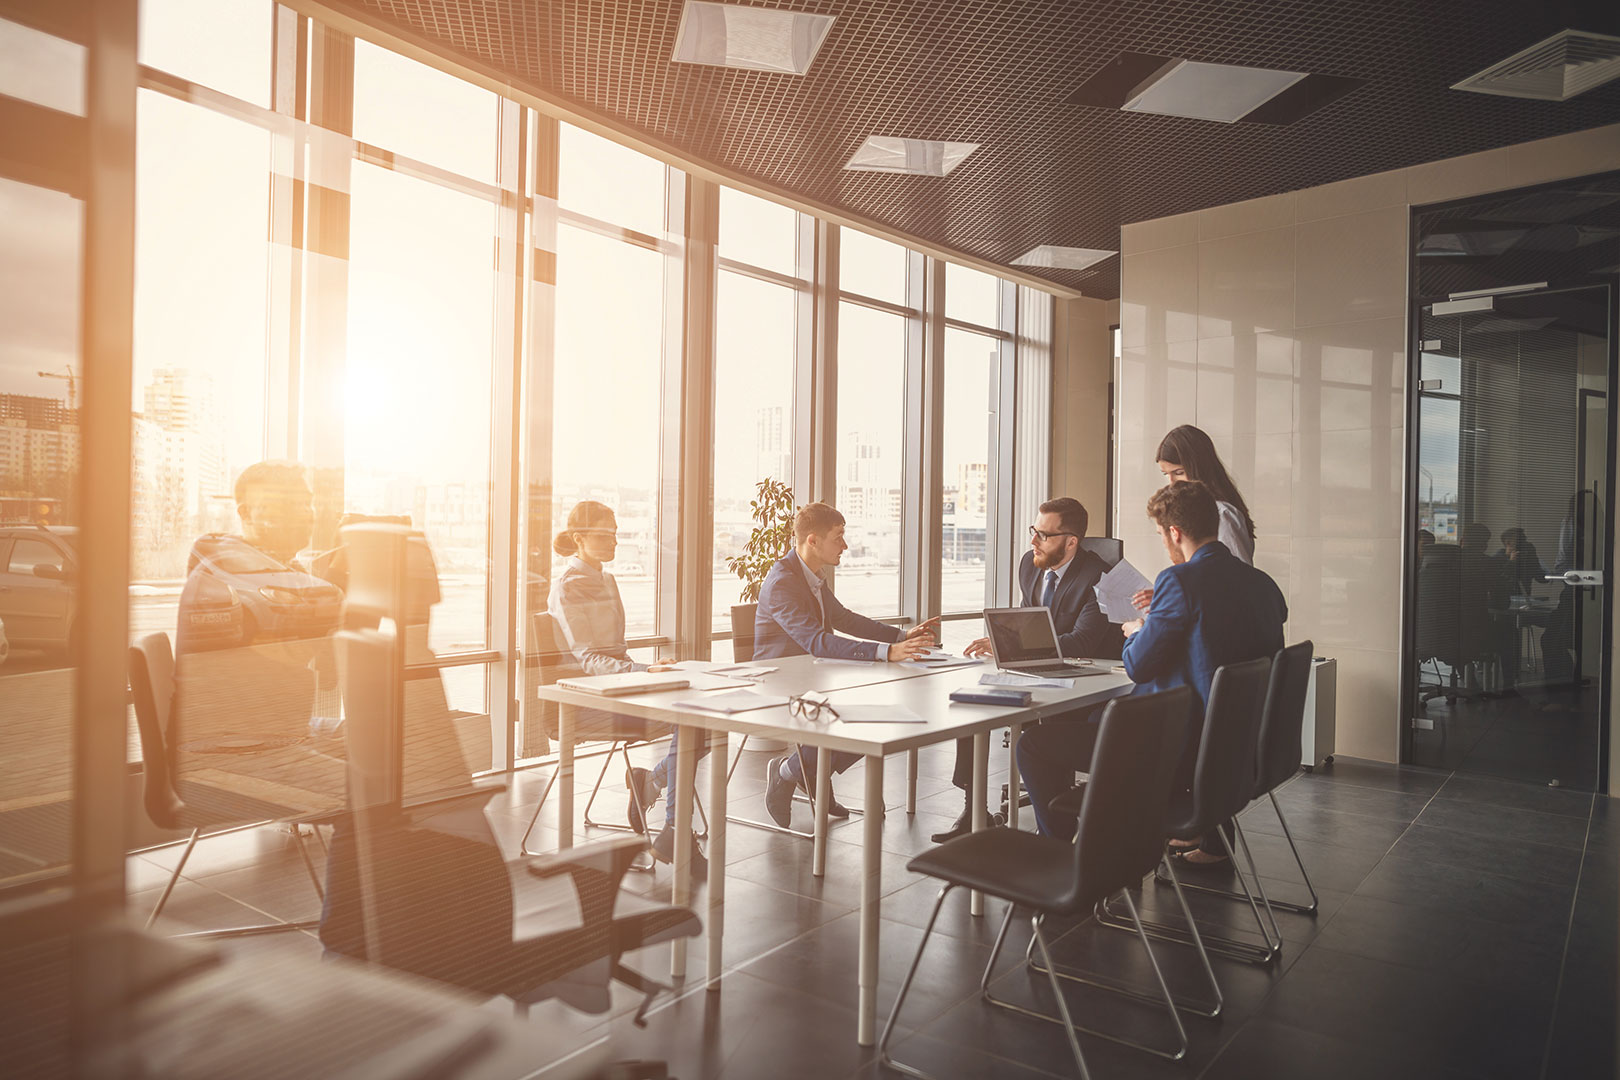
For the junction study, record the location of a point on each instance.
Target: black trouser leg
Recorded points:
(962, 772)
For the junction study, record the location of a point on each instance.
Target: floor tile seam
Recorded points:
(1496, 835)
(1321, 927)
(1524, 809)
(785, 892)
(233, 899)
(1563, 963)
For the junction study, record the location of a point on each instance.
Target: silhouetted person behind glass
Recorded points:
(586, 606)
(1425, 541)
(1560, 638)
(1484, 592)
(240, 589)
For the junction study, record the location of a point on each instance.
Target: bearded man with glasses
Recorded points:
(1056, 573)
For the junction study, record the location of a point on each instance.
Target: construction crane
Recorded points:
(72, 381)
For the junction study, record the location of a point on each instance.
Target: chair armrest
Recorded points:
(611, 858)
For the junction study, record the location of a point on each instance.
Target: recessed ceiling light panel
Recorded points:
(1222, 92)
(1053, 257)
(751, 38)
(1568, 63)
(919, 157)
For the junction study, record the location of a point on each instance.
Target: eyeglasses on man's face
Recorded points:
(1043, 537)
(811, 709)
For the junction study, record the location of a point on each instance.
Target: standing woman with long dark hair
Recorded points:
(1186, 453)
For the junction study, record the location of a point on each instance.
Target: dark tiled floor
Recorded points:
(1467, 928)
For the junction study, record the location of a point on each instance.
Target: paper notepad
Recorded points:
(1115, 589)
(733, 701)
(1023, 682)
(873, 712)
(938, 662)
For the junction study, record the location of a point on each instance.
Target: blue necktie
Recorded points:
(1051, 589)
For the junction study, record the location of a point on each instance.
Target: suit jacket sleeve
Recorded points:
(1154, 651)
(791, 606)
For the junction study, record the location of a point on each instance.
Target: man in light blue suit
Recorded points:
(799, 614)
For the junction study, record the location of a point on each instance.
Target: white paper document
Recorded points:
(709, 680)
(1115, 589)
(1023, 682)
(720, 667)
(841, 660)
(939, 662)
(733, 701)
(872, 712)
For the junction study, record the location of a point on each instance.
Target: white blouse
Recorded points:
(1235, 532)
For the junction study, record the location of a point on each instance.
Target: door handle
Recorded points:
(1579, 577)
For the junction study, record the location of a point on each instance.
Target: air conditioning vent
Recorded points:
(1570, 62)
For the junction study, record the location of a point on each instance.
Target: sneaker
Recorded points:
(663, 849)
(778, 793)
(639, 783)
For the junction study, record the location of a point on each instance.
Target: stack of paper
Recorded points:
(1115, 589)
(733, 701)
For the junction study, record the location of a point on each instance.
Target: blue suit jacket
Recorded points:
(1211, 610)
(789, 621)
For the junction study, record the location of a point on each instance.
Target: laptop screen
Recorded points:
(1020, 634)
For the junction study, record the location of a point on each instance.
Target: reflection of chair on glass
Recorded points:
(427, 890)
(182, 804)
(1439, 640)
(556, 661)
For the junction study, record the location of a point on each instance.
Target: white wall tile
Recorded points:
(1579, 153)
(1159, 297)
(1351, 375)
(1158, 233)
(1251, 215)
(1351, 268)
(1246, 283)
(1352, 196)
(1457, 177)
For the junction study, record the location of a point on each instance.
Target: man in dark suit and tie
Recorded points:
(1055, 573)
(1209, 609)
(799, 614)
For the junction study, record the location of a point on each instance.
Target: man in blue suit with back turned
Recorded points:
(1209, 609)
(798, 614)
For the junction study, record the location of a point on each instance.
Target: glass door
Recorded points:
(1508, 602)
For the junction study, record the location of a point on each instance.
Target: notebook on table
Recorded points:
(629, 682)
(1023, 640)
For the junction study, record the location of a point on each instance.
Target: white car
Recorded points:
(5, 646)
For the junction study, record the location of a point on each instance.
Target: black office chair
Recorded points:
(1223, 783)
(1110, 550)
(1121, 837)
(1279, 752)
(173, 803)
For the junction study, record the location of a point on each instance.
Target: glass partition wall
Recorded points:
(1510, 595)
(364, 288)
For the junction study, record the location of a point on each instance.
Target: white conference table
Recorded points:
(924, 692)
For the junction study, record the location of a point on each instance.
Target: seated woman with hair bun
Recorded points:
(585, 603)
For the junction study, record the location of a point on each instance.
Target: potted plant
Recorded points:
(772, 537)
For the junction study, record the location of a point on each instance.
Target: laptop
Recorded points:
(629, 682)
(1024, 641)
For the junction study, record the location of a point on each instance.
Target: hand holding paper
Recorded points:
(1116, 589)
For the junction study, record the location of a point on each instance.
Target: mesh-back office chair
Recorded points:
(1279, 752)
(1222, 784)
(1121, 837)
(428, 892)
(173, 803)
(556, 661)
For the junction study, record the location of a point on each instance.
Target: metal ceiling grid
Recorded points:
(996, 72)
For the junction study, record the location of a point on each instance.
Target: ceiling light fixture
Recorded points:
(919, 157)
(751, 38)
(1053, 257)
(1221, 92)
(1225, 93)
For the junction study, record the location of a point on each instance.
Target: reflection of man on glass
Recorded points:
(240, 589)
(799, 614)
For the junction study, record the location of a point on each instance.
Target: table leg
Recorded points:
(871, 894)
(981, 784)
(685, 781)
(1013, 779)
(818, 854)
(911, 781)
(719, 753)
(566, 715)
